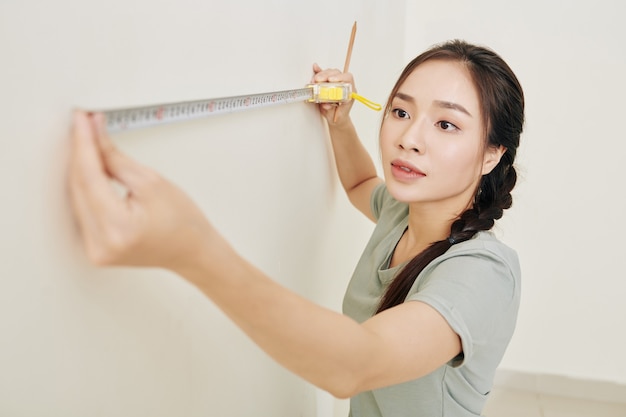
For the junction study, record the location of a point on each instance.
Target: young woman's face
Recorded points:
(432, 142)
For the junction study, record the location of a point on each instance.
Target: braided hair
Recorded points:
(502, 107)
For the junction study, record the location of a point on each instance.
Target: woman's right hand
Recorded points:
(154, 223)
(328, 110)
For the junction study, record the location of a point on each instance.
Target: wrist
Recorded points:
(342, 126)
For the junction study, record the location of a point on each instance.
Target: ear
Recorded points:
(493, 154)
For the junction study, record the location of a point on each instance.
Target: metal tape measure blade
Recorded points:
(138, 117)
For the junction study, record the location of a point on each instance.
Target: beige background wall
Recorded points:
(567, 220)
(75, 340)
(78, 341)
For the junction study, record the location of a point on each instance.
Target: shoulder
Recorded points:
(486, 245)
(389, 213)
(475, 286)
(481, 262)
(383, 204)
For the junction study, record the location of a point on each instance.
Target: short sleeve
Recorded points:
(379, 199)
(382, 202)
(476, 292)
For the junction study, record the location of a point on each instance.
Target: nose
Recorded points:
(412, 138)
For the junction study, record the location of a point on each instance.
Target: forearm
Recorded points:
(157, 225)
(322, 346)
(354, 164)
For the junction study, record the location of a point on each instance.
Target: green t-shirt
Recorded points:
(475, 286)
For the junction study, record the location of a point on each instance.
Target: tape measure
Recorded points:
(146, 116)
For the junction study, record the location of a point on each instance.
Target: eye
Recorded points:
(401, 114)
(446, 126)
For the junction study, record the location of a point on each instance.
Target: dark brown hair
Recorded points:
(502, 107)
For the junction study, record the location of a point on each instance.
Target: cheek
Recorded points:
(384, 135)
(385, 142)
(459, 164)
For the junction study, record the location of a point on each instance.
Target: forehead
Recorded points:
(440, 80)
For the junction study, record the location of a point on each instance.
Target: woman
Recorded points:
(433, 301)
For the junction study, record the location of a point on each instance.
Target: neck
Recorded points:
(430, 223)
(424, 227)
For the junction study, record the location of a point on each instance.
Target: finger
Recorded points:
(88, 224)
(119, 166)
(325, 75)
(88, 175)
(316, 69)
(88, 184)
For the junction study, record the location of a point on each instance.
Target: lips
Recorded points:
(405, 170)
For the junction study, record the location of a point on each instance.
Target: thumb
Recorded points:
(118, 165)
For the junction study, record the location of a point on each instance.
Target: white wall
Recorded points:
(77, 341)
(568, 217)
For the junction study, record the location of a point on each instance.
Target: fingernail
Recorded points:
(80, 116)
(99, 117)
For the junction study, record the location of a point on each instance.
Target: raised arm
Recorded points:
(156, 225)
(356, 169)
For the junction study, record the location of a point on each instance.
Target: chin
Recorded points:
(404, 193)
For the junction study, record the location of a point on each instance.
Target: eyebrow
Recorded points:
(440, 103)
